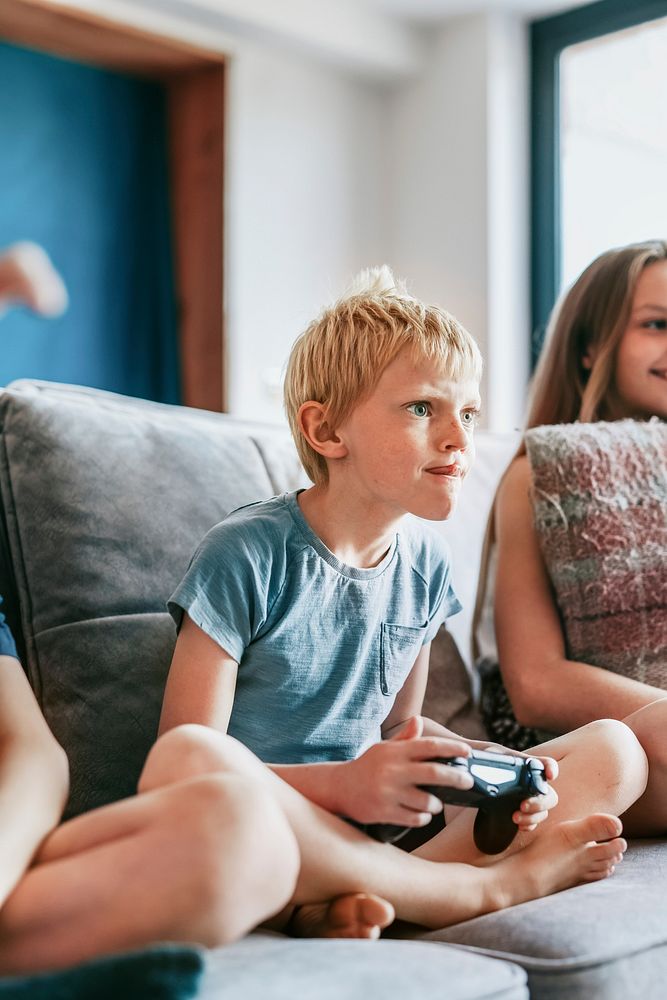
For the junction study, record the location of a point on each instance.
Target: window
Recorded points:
(599, 119)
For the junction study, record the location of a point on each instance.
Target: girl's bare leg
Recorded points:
(602, 768)
(202, 862)
(338, 860)
(648, 816)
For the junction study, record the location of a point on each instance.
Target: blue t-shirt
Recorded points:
(323, 648)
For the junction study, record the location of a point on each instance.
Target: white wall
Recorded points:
(353, 140)
(439, 153)
(330, 173)
(460, 194)
(306, 206)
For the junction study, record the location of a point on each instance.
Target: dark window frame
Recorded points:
(548, 37)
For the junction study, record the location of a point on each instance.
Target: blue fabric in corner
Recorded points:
(165, 972)
(83, 171)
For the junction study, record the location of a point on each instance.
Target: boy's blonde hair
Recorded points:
(340, 357)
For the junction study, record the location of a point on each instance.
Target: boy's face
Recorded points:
(410, 443)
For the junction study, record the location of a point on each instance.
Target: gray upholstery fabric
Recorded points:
(264, 967)
(105, 501)
(603, 940)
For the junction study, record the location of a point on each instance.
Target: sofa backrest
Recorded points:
(104, 500)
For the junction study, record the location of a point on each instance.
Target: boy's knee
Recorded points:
(189, 751)
(617, 752)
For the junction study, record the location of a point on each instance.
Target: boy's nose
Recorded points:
(453, 438)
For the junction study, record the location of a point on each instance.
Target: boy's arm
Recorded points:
(379, 786)
(201, 683)
(200, 689)
(34, 776)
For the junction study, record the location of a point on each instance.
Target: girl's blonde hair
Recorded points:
(588, 322)
(340, 357)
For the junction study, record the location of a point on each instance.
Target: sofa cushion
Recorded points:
(269, 967)
(105, 500)
(600, 506)
(606, 939)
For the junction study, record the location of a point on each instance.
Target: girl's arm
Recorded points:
(34, 776)
(547, 690)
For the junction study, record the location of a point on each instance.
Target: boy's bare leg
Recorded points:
(648, 816)
(203, 862)
(602, 768)
(338, 860)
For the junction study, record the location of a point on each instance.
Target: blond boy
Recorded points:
(305, 624)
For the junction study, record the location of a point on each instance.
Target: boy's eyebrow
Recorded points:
(428, 392)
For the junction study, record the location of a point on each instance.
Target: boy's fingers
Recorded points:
(412, 729)
(408, 817)
(539, 803)
(422, 802)
(550, 767)
(443, 774)
(432, 747)
(527, 821)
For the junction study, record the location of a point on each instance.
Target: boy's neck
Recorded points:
(357, 534)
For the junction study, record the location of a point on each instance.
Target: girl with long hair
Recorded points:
(604, 359)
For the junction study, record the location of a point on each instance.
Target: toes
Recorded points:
(373, 911)
(607, 854)
(599, 826)
(359, 915)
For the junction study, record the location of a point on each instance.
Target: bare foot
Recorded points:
(27, 277)
(359, 915)
(564, 855)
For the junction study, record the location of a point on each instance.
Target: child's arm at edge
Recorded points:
(34, 775)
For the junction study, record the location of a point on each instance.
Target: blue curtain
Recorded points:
(83, 172)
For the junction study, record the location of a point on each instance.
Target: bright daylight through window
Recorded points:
(613, 143)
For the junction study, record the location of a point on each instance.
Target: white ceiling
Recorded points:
(424, 11)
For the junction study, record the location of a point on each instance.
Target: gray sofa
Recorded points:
(103, 501)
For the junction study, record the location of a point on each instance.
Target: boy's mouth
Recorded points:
(454, 470)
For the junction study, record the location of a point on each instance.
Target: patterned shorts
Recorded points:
(498, 715)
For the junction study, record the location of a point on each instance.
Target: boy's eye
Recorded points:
(420, 409)
(656, 324)
(470, 417)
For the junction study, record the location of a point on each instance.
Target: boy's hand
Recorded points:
(533, 811)
(381, 785)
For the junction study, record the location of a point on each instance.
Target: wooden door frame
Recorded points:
(195, 85)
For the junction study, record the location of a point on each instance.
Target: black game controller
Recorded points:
(502, 782)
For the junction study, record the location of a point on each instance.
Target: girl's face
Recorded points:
(641, 361)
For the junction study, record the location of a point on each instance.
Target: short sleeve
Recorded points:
(225, 590)
(443, 602)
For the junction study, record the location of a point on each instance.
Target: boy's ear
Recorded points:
(315, 428)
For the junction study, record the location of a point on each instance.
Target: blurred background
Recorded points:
(207, 174)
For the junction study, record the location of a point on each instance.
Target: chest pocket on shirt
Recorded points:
(399, 648)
